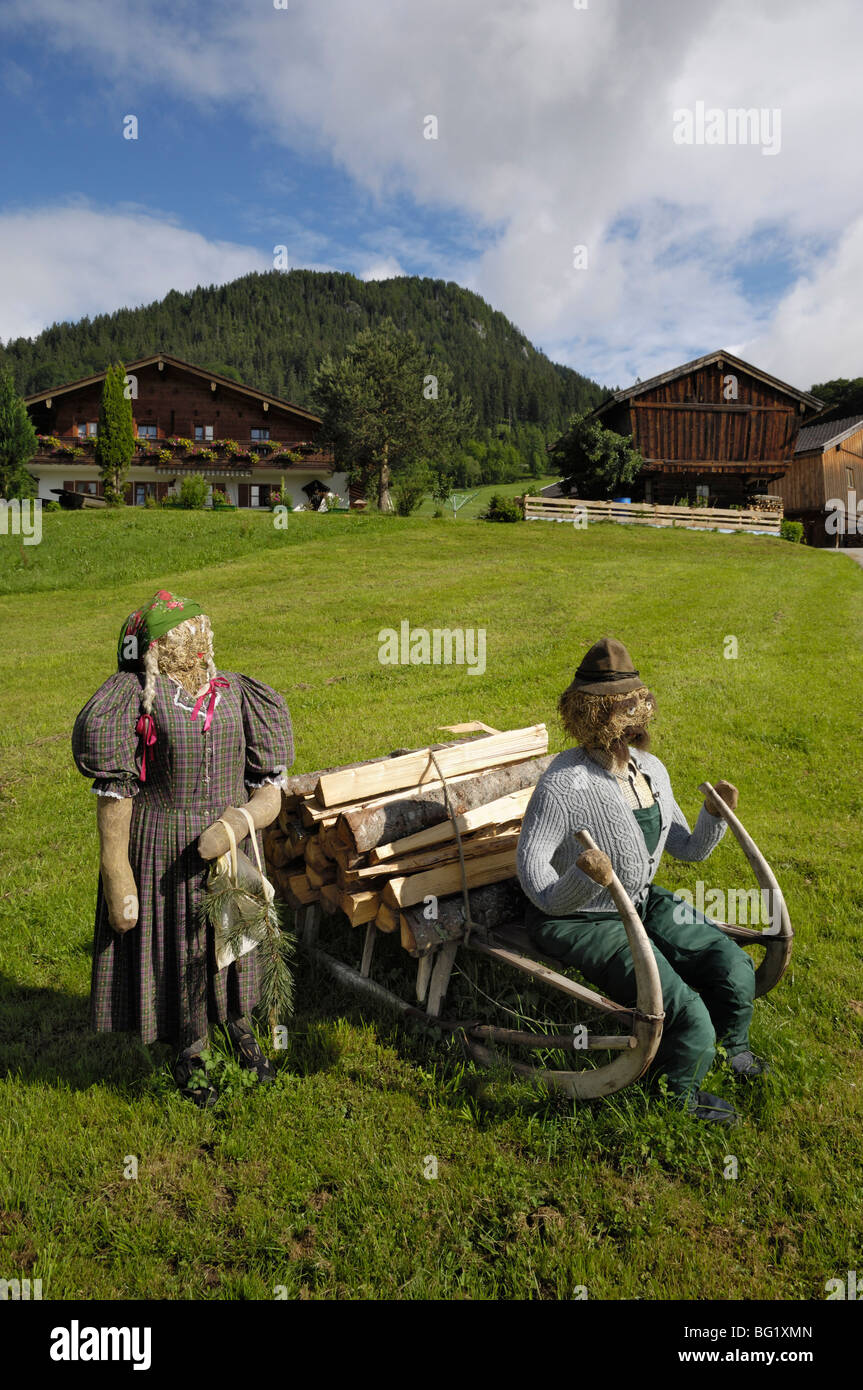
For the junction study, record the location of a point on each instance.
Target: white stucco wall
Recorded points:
(51, 476)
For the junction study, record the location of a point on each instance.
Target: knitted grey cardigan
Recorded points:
(575, 793)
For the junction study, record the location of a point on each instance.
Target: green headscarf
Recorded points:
(164, 612)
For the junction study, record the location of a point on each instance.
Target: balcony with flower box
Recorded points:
(179, 454)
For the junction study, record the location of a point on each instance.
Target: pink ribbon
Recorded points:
(146, 727)
(219, 683)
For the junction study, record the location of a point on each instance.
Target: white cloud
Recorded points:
(62, 263)
(815, 333)
(554, 124)
(387, 268)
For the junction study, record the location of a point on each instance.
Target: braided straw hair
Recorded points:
(177, 654)
(610, 722)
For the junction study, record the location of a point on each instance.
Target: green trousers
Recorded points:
(708, 981)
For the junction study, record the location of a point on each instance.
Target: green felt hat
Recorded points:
(164, 612)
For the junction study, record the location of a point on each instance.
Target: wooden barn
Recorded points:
(714, 432)
(827, 467)
(187, 420)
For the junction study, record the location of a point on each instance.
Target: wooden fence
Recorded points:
(649, 514)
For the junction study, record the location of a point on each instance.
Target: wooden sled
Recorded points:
(635, 1047)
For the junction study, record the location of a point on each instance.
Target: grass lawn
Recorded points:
(480, 497)
(317, 1185)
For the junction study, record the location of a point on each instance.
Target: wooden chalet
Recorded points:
(714, 432)
(827, 467)
(187, 420)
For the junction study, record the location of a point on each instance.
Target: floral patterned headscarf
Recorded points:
(164, 612)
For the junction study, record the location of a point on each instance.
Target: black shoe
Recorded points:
(192, 1080)
(251, 1056)
(713, 1109)
(747, 1067)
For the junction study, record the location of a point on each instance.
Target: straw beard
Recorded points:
(613, 723)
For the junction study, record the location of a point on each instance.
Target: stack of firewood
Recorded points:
(765, 502)
(376, 842)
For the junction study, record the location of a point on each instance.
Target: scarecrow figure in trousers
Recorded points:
(611, 786)
(172, 746)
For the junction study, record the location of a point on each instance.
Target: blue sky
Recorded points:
(259, 127)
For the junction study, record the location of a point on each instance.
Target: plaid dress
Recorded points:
(159, 979)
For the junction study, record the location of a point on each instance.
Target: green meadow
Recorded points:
(318, 1186)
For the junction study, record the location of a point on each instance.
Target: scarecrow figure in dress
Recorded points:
(173, 746)
(611, 786)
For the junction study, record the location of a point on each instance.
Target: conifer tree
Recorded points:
(389, 411)
(18, 442)
(115, 443)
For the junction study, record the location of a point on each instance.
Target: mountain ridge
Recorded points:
(271, 329)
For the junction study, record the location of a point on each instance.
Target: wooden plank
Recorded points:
(441, 971)
(519, 951)
(594, 1042)
(424, 970)
(475, 726)
(368, 950)
(416, 769)
(500, 812)
(491, 868)
(687, 518)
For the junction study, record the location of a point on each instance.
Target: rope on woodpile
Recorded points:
(469, 923)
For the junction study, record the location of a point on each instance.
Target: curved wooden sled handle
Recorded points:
(776, 938)
(649, 1013)
(632, 1061)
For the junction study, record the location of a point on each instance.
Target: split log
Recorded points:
(278, 853)
(315, 856)
(408, 939)
(302, 889)
(491, 868)
(316, 879)
(360, 907)
(387, 919)
(493, 814)
(330, 899)
(327, 842)
(435, 858)
(368, 826)
(346, 859)
(413, 769)
(303, 784)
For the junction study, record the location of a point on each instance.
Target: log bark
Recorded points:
(508, 810)
(368, 827)
(490, 907)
